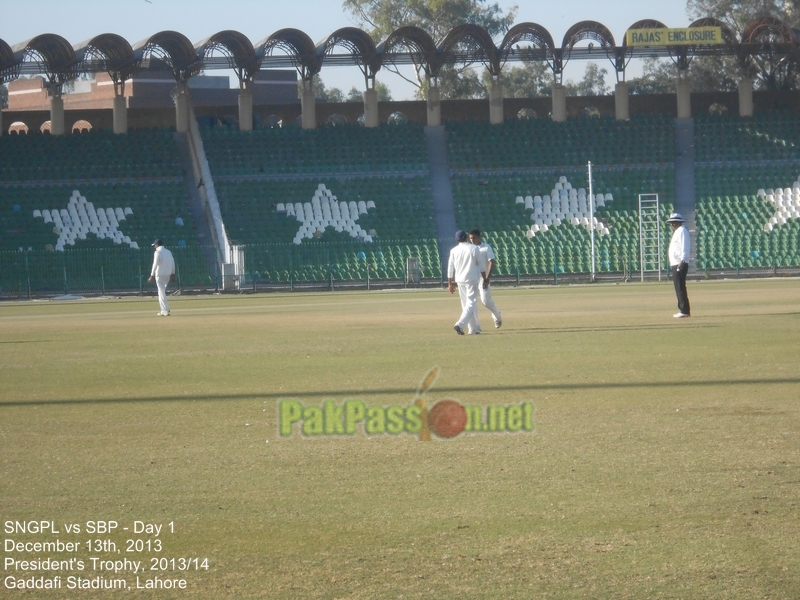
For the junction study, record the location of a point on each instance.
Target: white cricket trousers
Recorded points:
(161, 284)
(468, 292)
(486, 300)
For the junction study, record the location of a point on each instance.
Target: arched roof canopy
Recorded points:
(174, 49)
(55, 53)
(588, 30)
(297, 45)
(770, 44)
(359, 45)
(534, 34)
(468, 44)
(107, 52)
(236, 46)
(768, 47)
(9, 68)
(767, 30)
(416, 42)
(591, 30)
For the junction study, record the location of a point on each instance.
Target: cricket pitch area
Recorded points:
(664, 460)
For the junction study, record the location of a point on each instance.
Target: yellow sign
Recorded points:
(686, 36)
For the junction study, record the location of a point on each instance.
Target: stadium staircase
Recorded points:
(441, 189)
(195, 203)
(685, 200)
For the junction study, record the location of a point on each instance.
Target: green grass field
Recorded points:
(665, 460)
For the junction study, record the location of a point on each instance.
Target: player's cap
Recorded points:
(157, 242)
(675, 218)
(461, 235)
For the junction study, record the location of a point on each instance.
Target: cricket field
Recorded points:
(631, 455)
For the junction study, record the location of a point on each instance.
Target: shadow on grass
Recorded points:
(605, 328)
(361, 393)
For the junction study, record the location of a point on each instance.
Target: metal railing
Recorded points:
(95, 271)
(331, 265)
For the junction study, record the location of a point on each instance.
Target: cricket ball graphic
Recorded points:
(447, 418)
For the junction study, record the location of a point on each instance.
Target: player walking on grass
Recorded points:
(679, 247)
(486, 262)
(163, 272)
(462, 270)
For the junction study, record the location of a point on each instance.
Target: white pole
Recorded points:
(641, 240)
(591, 215)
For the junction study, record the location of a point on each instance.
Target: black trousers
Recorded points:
(679, 280)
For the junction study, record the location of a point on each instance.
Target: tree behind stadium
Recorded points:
(437, 17)
(769, 74)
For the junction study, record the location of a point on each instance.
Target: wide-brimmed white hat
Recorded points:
(675, 218)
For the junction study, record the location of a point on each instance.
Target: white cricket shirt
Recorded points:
(679, 246)
(163, 263)
(485, 254)
(463, 264)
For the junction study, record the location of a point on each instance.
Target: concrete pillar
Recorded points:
(57, 116)
(246, 106)
(308, 105)
(496, 116)
(120, 114)
(746, 97)
(683, 87)
(559, 103)
(434, 107)
(182, 108)
(621, 106)
(370, 108)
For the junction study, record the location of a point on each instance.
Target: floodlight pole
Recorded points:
(591, 215)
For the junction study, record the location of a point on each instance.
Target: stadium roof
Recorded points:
(52, 56)
(233, 45)
(764, 43)
(109, 50)
(174, 49)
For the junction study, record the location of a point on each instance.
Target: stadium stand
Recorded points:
(521, 183)
(767, 136)
(544, 143)
(98, 196)
(328, 149)
(347, 198)
(750, 230)
(96, 154)
(346, 202)
(748, 191)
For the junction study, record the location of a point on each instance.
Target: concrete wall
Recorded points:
(100, 118)
(155, 90)
(416, 111)
(478, 110)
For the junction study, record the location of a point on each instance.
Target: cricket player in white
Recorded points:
(462, 270)
(679, 248)
(163, 272)
(486, 262)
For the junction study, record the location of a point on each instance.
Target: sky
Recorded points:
(136, 20)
